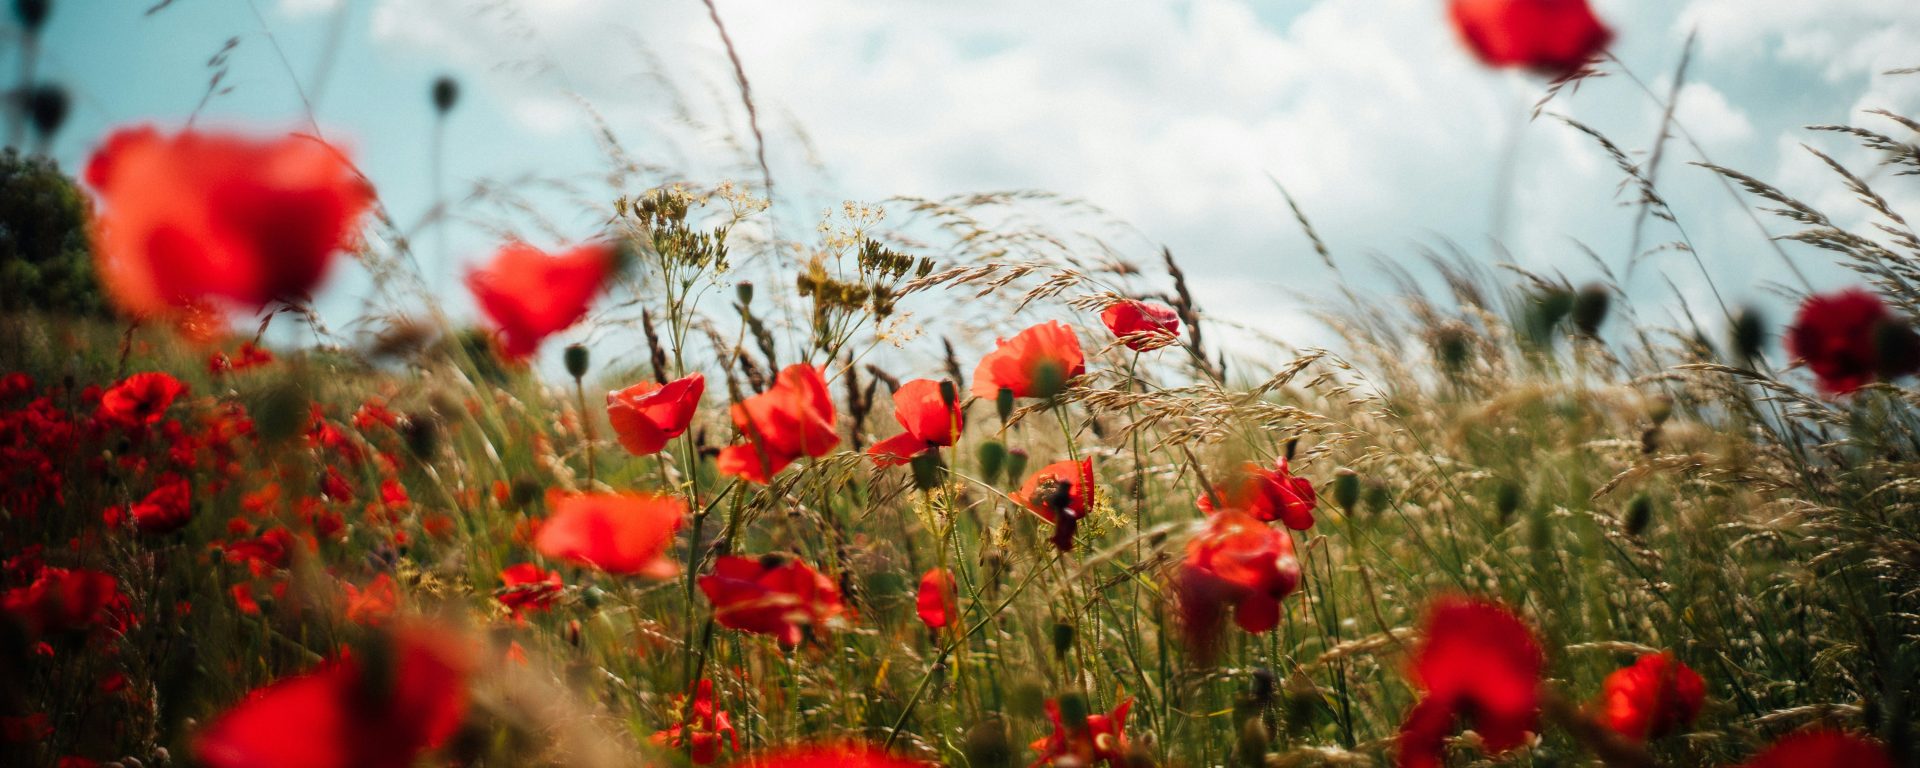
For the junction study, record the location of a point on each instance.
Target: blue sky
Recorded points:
(1171, 115)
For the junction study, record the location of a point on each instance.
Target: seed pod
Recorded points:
(1073, 711)
(948, 395)
(446, 93)
(422, 434)
(1003, 402)
(743, 292)
(577, 360)
(1262, 686)
(32, 14)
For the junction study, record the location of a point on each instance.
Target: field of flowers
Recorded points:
(1509, 525)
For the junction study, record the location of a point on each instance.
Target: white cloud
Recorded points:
(1710, 118)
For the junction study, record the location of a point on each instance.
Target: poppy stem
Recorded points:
(586, 425)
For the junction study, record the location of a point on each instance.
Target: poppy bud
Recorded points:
(422, 434)
(743, 292)
(47, 108)
(1016, 464)
(32, 13)
(525, 491)
(992, 455)
(1062, 642)
(1660, 410)
(1378, 497)
(1003, 402)
(1027, 699)
(1453, 346)
(1073, 710)
(1506, 500)
(591, 597)
(1251, 750)
(926, 470)
(573, 632)
(576, 358)
(446, 92)
(1548, 308)
(1749, 333)
(1048, 379)
(1639, 514)
(987, 745)
(1590, 309)
(1346, 488)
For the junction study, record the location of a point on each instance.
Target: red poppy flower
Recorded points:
(140, 400)
(1552, 36)
(771, 595)
(1822, 749)
(1241, 562)
(621, 533)
(248, 356)
(1140, 325)
(706, 723)
(1479, 662)
(61, 600)
(793, 418)
(1100, 738)
(373, 710)
(167, 508)
(850, 755)
(647, 415)
(930, 420)
(1656, 696)
(1849, 339)
(1060, 492)
(373, 604)
(526, 587)
(200, 219)
(936, 600)
(1037, 362)
(1269, 495)
(530, 295)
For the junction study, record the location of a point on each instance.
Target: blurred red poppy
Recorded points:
(1061, 492)
(61, 600)
(621, 533)
(1102, 737)
(706, 723)
(1552, 36)
(850, 755)
(140, 400)
(793, 418)
(771, 595)
(1849, 338)
(530, 295)
(373, 604)
(1822, 749)
(936, 600)
(525, 586)
(1141, 325)
(1037, 362)
(201, 218)
(379, 708)
(1656, 696)
(167, 508)
(931, 420)
(1268, 495)
(647, 415)
(1238, 562)
(1476, 661)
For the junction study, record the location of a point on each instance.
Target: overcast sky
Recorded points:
(1171, 115)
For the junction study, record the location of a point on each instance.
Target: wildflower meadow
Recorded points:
(960, 487)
